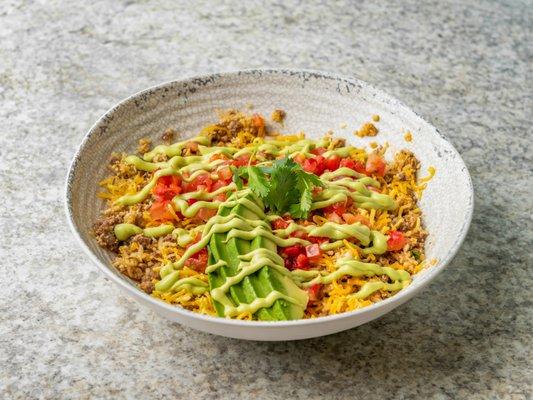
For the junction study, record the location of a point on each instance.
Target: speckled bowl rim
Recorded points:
(413, 288)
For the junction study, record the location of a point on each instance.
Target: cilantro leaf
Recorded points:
(289, 189)
(237, 178)
(282, 186)
(305, 184)
(257, 181)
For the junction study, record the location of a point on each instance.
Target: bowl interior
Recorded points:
(315, 103)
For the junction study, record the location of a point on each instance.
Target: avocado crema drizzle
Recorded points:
(240, 234)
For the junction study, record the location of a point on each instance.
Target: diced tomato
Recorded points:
(310, 165)
(201, 182)
(299, 158)
(334, 217)
(352, 164)
(318, 151)
(315, 165)
(299, 234)
(205, 213)
(347, 162)
(159, 211)
(187, 187)
(221, 197)
(352, 219)
(333, 162)
(302, 262)
(198, 261)
(279, 223)
(293, 251)
(219, 184)
(225, 173)
(312, 251)
(396, 241)
(320, 165)
(313, 292)
(339, 208)
(191, 201)
(241, 161)
(204, 180)
(167, 187)
(168, 180)
(318, 239)
(375, 164)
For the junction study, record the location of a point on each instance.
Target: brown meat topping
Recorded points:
(144, 145)
(367, 129)
(168, 136)
(103, 231)
(144, 241)
(147, 280)
(278, 116)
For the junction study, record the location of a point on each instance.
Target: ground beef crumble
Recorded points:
(144, 145)
(103, 231)
(168, 136)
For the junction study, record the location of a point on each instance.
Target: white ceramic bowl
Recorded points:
(315, 102)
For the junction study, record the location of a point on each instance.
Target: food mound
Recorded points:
(242, 222)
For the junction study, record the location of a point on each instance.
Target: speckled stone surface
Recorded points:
(65, 332)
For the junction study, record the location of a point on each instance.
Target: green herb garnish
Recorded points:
(284, 187)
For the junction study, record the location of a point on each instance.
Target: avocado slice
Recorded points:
(258, 284)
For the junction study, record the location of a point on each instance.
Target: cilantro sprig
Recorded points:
(284, 186)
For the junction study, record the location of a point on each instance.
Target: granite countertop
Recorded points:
(65, 331)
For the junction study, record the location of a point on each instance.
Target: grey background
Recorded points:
(65, 332)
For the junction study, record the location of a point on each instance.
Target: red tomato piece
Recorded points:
(198, 261)
(225, 173)
(159, 211)
(205, 213)
(334, 217)
(318, 151)
(337, 208)
(219, 184)
(320, 164)
(313, 292)
(317, 239)
(302, 262)
(299, 158)
(293, 251)
(333, 163)
(347, 162)
(312, 251)
(352, 219)
(299, 234)
(167, 187)
(279, 223)
(310, 165)
(203, 180)
(241, 161)
(396, 241)
(352, 164)
(221, 197)
(375, 164)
